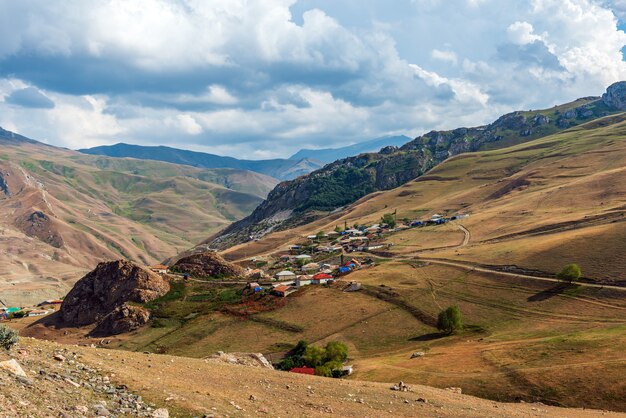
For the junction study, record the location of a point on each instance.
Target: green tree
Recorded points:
(8, 337)
(338, 229)
(314, 356)
(324, 370)
(570, 273)
(449, 320)
(389, 219)
(336, 352)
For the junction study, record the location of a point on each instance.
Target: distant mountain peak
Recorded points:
(329, 155)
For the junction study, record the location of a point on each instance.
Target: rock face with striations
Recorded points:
(615, 96)
(207, 265)
(122, 319)
(110, 286)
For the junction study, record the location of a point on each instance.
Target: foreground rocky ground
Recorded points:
(72, 381)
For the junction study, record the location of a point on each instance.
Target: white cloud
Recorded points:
(521, 33)
(447, 56)
(241, 76)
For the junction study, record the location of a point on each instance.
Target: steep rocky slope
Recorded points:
(102, 297)
(343, 182)
(62, 212)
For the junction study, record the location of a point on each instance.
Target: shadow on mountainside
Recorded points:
(553, 291)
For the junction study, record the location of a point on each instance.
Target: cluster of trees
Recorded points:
(343, 186)
(327, 361)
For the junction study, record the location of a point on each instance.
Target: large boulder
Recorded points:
(615, 96)
(122, 319)
(208, 264)
(108, 287)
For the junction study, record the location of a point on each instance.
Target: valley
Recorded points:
(512, 217)
(62, 212)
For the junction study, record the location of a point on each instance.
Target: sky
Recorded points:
(263, 78)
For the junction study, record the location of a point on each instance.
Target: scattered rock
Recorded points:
(454, 390)
(418, 354)
(401, 387)
(59, 357)
(161, 413)
(13, 367)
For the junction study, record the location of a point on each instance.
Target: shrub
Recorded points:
(389, 219)
(449, 320)
(8, 337)
(570, 273)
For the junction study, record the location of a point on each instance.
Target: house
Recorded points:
(322, 278)
(347, 370)
(344, 270)
(159, 268)
(417, 223)
(435, 217)
(303, 280)
(38, 312)
(303, 370)
(285, 257)
(332, 233)
(311, 236)
(373, 247)
(283, 290)
(311, 267)
(285, 274)
(254, 286)
(303, 257)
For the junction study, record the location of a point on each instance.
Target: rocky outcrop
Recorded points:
(615, 96)
(244, 359)
(108, 287)
(122, 319)
(39, 225)
(208, 264)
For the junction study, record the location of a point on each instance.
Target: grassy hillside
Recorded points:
(62, 212)
(345, 181)
(533, 208)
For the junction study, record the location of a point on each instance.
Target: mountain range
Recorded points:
(303, 162)
(61, 212)
(343, 182)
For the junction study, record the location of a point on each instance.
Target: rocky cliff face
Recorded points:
(615, 96)
(122, 319)
(343, 182)
(109, 287)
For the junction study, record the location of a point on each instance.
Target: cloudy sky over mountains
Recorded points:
(263, 78)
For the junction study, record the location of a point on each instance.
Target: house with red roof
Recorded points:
(321, 278)
(283, 290)
(303, 370)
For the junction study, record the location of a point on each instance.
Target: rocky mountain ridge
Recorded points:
(343, 182)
